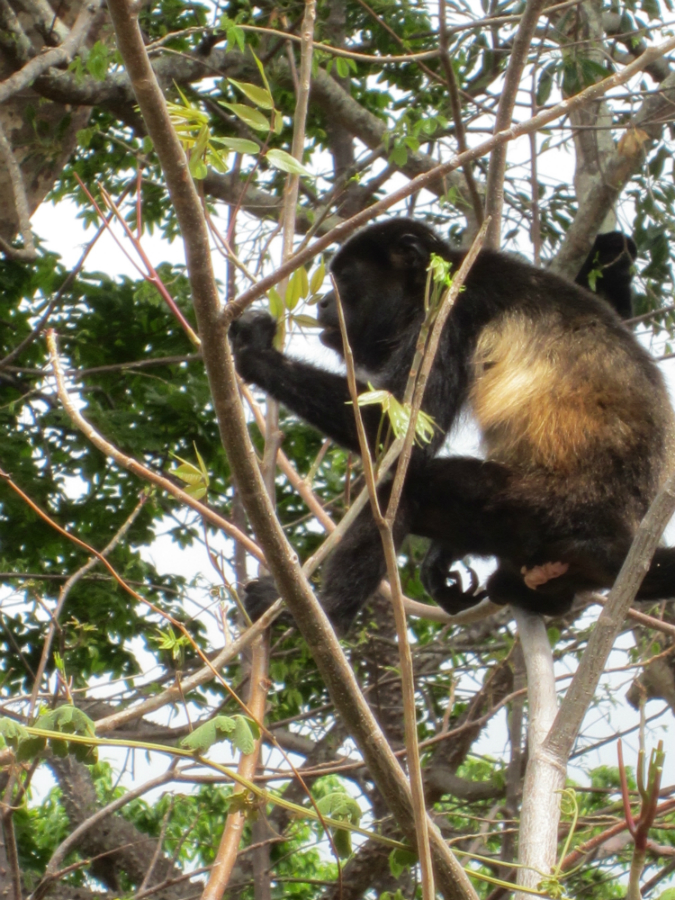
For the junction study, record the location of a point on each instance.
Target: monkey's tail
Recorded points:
(659, 582)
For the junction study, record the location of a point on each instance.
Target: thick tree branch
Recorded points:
(281, 558)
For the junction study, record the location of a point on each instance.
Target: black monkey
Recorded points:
(612, 256)
(575, 419)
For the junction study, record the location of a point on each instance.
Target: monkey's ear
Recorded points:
(410, 250)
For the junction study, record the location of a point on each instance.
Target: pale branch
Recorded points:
(280, 557)
(494, 189)
(540, 813)
(58, 56)
(176, 692)
(602, 193)
(46, 20)
(579, 695)
(236, 820)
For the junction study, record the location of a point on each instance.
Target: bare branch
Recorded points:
(280, 557)
(494, 189)
(57, 57)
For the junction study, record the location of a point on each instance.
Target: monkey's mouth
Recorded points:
(331, 337)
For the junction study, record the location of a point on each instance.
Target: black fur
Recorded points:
(574, 414)
(612, 257)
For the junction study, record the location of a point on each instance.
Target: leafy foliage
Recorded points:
(130, 660)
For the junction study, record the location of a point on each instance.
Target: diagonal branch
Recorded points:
(494, 189)
(281, 558)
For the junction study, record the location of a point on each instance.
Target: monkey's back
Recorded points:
(565, 395)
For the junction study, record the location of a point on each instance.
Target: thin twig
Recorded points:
(494, 189)
(65, 590)
(234, 826)
(385, 526)
(128, 462)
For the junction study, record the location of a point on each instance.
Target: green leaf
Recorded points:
(277, 122)
(240, 731)
(340, 806)
(305, 321)
(544, 86)
(287, 163)
(318, 275)
(252, 117)
(239, 145)
(97, 61)
(276, 303)
(298, 286)
(242, 737)
(401, 860)
(236, 36)
(187, 473)
(30, 748)
(85, 137)
(13, 732)
(260, 96)
(261, 69)
(399, 155)
(198, 168)
(342, 66)
(201, 739)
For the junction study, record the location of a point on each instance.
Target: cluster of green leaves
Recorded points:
(207, 150)
(240, 731)
(66, 720)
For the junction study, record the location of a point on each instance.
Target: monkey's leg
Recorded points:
(357, 565)
(506, 585)
(470, 506)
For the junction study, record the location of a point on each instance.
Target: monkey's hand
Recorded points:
(252, 336)
(538, 575)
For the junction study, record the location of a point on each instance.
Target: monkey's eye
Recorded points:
(410, 250)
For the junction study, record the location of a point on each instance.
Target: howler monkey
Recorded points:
(576, 423)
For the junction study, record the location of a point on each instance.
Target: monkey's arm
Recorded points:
(320, 398)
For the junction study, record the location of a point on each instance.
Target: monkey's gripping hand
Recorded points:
(251, 337)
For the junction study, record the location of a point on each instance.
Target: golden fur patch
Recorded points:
(547, 394)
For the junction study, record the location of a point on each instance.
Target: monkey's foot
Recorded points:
(538, 575)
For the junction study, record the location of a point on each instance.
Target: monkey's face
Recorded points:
(380, 275)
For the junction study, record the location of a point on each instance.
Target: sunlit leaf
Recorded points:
(276, 303)
(287, 163)
(260, 96)
(239, 145)
(318, 275)
(252, 117)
